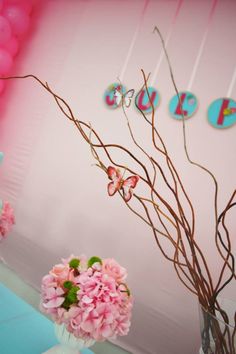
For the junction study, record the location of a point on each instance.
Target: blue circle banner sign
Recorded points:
(189, 105)
(222, 113)
(147, 99)
(109, 95)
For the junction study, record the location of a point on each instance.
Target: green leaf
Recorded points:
(72, 295)
(93, 260)
(127, 289)
(66, 304)
(74, 263)
(68, 284)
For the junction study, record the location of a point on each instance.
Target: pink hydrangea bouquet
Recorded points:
(7, 219)
(89, 296)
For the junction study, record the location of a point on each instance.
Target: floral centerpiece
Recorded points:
(7, 219)
(88, 298)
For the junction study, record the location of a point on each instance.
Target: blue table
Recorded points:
(23, 330)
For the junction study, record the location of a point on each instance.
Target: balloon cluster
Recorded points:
(14, 24)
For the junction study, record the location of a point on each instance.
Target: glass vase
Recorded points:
(69, 344)
(218, 329)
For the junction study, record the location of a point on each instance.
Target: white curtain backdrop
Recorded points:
(60, 199)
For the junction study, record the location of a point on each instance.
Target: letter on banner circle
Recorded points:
(189, 105)
(143, 101)
(109, 94)
(222, 113)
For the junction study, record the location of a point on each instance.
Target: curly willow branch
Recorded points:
(184, 129)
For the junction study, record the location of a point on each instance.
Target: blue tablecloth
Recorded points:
(23, 330)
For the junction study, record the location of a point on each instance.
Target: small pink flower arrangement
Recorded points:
(7, 219)
(89, 296)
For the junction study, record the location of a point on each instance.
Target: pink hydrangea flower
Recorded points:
(7, 219)
(111, 267)
(62, 273)
(92, 300)
(53, 297)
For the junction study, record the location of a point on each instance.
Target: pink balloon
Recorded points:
(2, 85)
(18, 18)
(5, 62)
(5, 30)
(1, 4)
(26, 5)
(12, 46)
(12, 1)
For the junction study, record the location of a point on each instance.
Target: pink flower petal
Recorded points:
(54, 302)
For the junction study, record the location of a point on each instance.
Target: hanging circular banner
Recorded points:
(109, 95)
(189, 105)
(1, 156)
(222, 113)
(145, 99)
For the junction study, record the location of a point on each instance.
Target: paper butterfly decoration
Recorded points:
(118, 183)
(124, 99)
